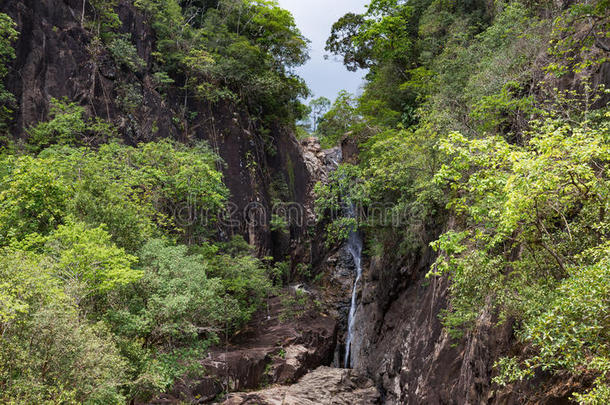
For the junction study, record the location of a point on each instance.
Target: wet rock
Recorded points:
(402, 345)
(324, 385)
(332, 157)
(337, 284)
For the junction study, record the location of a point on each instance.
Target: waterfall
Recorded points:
(354, 246)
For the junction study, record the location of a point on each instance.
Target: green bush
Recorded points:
(48, 351)
(545, 200)
(68, 125)
(125, 54)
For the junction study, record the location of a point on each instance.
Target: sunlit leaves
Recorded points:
(87, 255)
(130, 190)
(534, 240)
(32, 197)
(68, 125)
(49, 352)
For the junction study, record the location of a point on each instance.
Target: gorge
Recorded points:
(178, 226)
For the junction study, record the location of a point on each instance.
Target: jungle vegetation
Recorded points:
(485, 126)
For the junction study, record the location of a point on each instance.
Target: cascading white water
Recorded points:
(354, 246)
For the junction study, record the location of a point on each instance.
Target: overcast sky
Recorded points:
(315, 19)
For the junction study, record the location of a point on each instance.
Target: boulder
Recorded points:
(325, 385)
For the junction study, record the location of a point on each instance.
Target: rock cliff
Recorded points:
(56, 58)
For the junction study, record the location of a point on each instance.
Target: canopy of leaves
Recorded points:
(233, 50)
(461, 126)
(537, 215)
(133, 191)
(99, 301)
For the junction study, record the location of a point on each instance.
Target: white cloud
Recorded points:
(315, 19)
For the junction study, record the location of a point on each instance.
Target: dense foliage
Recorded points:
(232, 51)
(482, 134)
(114, 280)
(468, 130)
(95, 275)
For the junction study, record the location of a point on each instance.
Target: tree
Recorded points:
(48, 351)
(337, 121)
(319, 107)
(182, 302)
(547, 201)
(342, 42)
(32, 198)
(85, 258)
(68, 125)
(8, 34)
(233, 50)
(105, 20)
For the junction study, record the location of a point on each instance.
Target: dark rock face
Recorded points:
(57, 58)
(401, 344)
